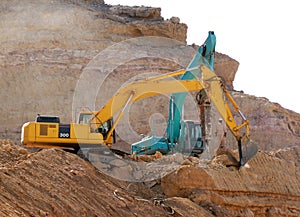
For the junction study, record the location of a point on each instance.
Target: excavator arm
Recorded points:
(222, 100)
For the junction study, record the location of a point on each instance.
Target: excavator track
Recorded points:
(87, 152)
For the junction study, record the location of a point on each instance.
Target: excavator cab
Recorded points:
(104, 128)
(190, 140)
(84, 117)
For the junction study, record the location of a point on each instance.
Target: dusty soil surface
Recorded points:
(57, 183)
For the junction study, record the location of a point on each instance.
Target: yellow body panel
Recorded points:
(46, 135)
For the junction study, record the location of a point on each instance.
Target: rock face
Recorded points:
(227, 68)
(272, 126)
(46, 44)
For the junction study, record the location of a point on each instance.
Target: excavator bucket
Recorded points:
(247, 150)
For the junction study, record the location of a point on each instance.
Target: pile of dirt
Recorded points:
(57, 183)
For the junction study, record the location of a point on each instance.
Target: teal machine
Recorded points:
(181, 135)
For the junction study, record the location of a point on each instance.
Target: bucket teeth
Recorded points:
(249, 150)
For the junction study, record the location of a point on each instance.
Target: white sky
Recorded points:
(263, 36)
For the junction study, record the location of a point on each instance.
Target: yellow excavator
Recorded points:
(98, 128)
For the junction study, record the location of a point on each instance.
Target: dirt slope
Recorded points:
(58, 183)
